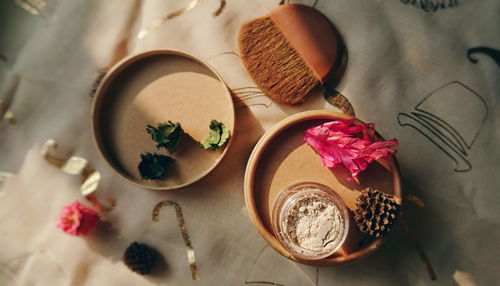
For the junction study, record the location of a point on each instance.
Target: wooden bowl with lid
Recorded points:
(281, 158)
(154, 87)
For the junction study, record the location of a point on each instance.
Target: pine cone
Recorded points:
(140, 258)
(376, 212)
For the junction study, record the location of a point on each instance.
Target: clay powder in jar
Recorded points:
(315, 224)
(310, 220)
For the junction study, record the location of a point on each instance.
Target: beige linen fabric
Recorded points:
(399, 56)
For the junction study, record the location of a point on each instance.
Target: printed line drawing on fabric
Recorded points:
(338, 100)
(242, 96)
(265, 248)
(185, 236)
(432, 5)
(4, 177)
(13, 270)
(222, 5)
(9, 92)
(158, 22)
(493, 53)
(222, 54)
(99, 76)
(282, 2)
(46, 9)
(440, 118)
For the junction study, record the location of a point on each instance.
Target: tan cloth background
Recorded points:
(398, 54)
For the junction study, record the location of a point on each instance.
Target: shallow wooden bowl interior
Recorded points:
(155, 87)
(281, 158)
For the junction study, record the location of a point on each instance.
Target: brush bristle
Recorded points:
(273, 63)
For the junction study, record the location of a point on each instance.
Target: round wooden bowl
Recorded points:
(281, 158)
(151, 88)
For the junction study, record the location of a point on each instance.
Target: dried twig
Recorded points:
(420, 250)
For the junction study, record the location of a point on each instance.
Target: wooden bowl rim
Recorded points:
(253, 161)
(101, 91)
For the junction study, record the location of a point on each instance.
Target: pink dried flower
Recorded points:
(352, 144)
(77, 219)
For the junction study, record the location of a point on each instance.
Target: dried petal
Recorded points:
(77, 219)
(349, 143)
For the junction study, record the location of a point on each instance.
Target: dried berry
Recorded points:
(140, 258)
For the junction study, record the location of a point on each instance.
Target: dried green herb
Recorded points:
(167, 135)
(217, 137)
(154, 166)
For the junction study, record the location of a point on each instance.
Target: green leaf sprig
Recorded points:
(217, 136)
(154, 166)
(166, 135)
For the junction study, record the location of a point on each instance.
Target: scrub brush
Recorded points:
(289, 52)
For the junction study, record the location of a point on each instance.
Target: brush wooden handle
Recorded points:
(311, 34)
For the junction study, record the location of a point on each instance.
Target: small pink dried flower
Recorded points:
(77, 219)
(352, 144)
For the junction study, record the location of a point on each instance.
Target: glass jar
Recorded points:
(288, 202)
